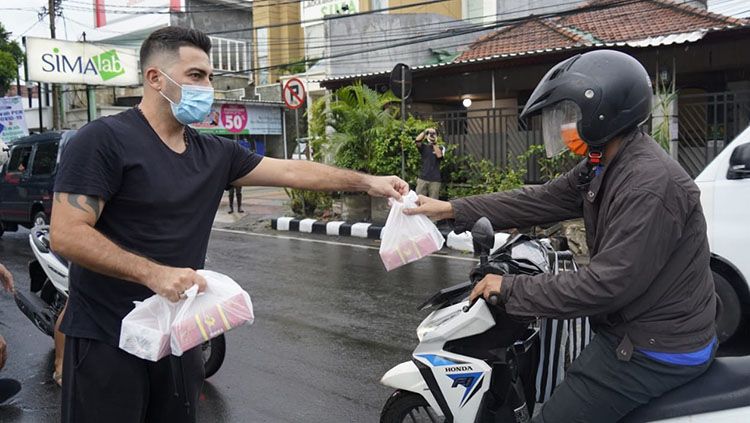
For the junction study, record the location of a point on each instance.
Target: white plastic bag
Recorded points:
(223, 306)
(407, 238)
(145, 330)
(157, 327)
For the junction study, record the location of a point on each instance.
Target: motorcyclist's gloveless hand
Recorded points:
(432, 208)
(6, 278)
(172, 282)
(489, 285)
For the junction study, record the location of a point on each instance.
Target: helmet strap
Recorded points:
(595, 157)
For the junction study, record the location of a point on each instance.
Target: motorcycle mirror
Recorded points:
(483, 236)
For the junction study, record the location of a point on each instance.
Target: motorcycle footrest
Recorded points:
(37, 311)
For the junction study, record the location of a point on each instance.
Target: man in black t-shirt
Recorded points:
(429, 180)
(135, 198)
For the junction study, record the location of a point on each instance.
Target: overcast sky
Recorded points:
(21, 17)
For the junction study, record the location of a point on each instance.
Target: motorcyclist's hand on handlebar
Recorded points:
(6, 278)
(487, 287)
(172, 282)
(432, 208)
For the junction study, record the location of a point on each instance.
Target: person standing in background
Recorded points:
(429, 180)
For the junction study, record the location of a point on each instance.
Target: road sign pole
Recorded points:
(283, 130)
(403, 120)
(296, 124)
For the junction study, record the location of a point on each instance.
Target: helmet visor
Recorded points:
(560, 126)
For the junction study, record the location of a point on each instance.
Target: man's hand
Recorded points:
(432, 208)
(6, 278)
(3, 352)
(489, 285)
(387, 186)
(172, 282)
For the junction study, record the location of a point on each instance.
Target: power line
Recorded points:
(206, 7)
(323, 19)
(497, 24)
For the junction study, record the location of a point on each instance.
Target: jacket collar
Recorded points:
(624, 150)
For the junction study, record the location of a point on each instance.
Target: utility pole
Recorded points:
(56, 124)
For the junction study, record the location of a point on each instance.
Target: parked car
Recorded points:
(725, 197)
(27, 180)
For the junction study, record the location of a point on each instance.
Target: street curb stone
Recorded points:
(359, 230)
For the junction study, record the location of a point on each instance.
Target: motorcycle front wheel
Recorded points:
(405, 406)
(213, 355)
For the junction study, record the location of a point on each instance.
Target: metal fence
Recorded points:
(493, 134)
(707, 123)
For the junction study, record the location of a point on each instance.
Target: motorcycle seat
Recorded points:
(723, 386)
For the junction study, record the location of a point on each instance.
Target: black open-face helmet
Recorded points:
(601, 93)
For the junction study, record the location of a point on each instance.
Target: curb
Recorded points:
(462, 242)
(336, 228)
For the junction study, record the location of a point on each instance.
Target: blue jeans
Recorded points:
(600, 388)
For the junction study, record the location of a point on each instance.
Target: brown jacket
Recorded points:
(649, 281)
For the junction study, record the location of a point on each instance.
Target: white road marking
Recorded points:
(320, 241)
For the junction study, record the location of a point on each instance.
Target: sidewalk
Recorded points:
(261, 204)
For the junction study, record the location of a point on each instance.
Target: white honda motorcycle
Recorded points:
(475, 363)
(48, 293)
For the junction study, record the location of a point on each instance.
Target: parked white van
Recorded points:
(725, 196)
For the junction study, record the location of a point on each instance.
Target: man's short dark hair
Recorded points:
(169, 40)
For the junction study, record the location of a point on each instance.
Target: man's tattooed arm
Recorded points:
(85, 203)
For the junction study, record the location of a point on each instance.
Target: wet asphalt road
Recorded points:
(329, 322)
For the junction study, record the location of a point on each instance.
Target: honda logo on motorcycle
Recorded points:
(459, 369)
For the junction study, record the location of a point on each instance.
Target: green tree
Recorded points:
(358, 117)
(10, 58)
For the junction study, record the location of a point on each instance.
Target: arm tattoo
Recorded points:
(92, 202)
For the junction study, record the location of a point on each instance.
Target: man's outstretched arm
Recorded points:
(303, 174)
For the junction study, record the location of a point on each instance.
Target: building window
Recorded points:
(261, 39)
(474, 10)
(229, 55)
(378, 4)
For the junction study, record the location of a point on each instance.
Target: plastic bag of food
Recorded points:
(157, 327)
(407, 238)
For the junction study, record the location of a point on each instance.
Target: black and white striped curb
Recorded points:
(461, 242)
(338, 228)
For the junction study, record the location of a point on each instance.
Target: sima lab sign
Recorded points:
(70, 62)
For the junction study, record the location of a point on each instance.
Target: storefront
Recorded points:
(257, 125)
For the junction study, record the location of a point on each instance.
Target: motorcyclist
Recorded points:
(648, 288)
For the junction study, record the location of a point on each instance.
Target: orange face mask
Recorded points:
(572, 139)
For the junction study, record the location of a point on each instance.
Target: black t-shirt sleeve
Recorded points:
(241, 160)
(91, 163)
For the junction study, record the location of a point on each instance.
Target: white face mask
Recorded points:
(195, 102)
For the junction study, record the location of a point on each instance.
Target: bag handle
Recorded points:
(190, 293)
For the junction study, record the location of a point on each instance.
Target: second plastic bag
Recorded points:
(223, 306)
(407, 238)
(157, 327)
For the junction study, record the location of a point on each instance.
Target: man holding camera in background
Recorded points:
(429, 179)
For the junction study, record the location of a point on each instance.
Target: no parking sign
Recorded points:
(294, 93)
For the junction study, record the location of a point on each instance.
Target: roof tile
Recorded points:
(599, 22)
